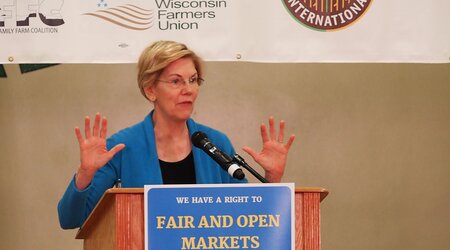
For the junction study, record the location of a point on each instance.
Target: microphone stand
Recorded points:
(240, 161)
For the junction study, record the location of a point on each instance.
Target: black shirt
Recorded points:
(180, 172)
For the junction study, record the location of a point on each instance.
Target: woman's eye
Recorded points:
(175, 81)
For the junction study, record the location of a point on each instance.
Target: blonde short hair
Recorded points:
(155, 58)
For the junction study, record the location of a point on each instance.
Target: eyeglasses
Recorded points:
(178, 82)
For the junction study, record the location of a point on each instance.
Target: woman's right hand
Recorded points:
(93, 151)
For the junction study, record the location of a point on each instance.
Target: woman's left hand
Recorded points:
(274, 153)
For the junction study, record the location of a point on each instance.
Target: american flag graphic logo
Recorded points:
(127, 16)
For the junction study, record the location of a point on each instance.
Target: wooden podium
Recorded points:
(117, 222)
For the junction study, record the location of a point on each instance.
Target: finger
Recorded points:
(87, 127)
(290, 141)
(96, 124)
(272, 128)
(264, 136)
(104, 128)
(251, 152)
(78, 135)
(115, 150)
(281, 132)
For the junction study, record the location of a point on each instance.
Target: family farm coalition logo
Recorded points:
(327, 15)
(32, 16)
(165, 14)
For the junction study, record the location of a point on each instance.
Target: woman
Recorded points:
(158, 150)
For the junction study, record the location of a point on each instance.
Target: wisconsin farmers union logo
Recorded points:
(128, 16)
(327, 15)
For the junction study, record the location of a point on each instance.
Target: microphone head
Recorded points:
(199, 139)
(239, 174)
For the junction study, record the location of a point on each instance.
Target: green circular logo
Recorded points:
(327, 15)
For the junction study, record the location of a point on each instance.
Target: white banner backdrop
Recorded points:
(116, 31)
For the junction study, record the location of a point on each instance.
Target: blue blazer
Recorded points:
(138, 165)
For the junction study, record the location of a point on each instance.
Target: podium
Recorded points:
(117, 222)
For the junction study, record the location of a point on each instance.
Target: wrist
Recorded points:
(273, 177)
(83, 178)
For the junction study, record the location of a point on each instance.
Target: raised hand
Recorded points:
(274, 153)
(93, 151)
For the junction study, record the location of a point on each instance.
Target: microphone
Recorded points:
(200, 140)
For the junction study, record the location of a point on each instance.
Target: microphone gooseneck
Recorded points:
(237, 158)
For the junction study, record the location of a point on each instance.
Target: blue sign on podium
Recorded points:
(219, 216)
